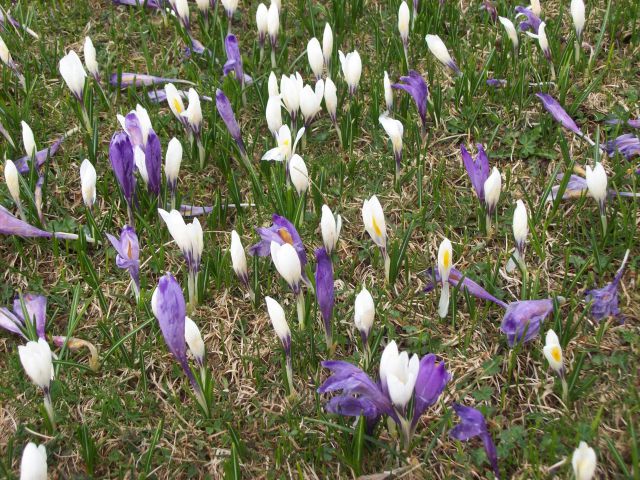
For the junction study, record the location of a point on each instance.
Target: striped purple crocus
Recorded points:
(560, 115)
(36, 310)
(604, 301)
(281, 231)
(490, 8)
(628, 145)
(122, 163)
(577, 186)
(153, 4)
(472, 424)
(128, 257)
(532, 21)
(325, 294)
(415, 86)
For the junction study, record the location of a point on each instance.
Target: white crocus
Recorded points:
(172, 162)
(351, 69)
(88, 179)
(33, 465)
(273, 114)
(331, 99)
(286, 260)
(12, 179)
(388, 92)
(374, 221)
(5, 54)
(174, 99)
(512, 33)
(290, 88)
(584, 462)
(238, 258)
(73, 73)
(281, 327)
(445, 263)
(204, 6)
(193, 337)
(299, 174)
(314, 55)
(273, 85)
(90, 58)
(139, 159)
(230, 7)
(597, 184)
(553, 352)
(492, 189)
(262, 14)
(37, 362)
(327, 44)
(404, 16)
(395, 131)
(543, 41)
(311, 102)
(578, 16)
(28, 139)
(399, 373)
(330, 227)
(364, 313)
(520, 232)
(439, 50)
(182, 10)
(273, 27)
(285, 150)
(193, 113)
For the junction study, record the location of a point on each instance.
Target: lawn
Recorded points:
(131, 412)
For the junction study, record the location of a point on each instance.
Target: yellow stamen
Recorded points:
(285, 235)
(376, 227)
(177, 106)
(446, 259)
(129, 252)
(556, 353)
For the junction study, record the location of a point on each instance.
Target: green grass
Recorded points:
(136, 417)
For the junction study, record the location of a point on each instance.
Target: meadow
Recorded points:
(485, 198)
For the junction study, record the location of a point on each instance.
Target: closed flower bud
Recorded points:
(172, 162)
(11, 177)
(238, 258)
(286, 260)
(327, 43)
(399, 374)
(203, 5)
(536, 8)
(88, 178)
(403, 22)
(193, 113)
(314, 55)
(274, 113)
(439, 50)
(511, 31)
(273, 22)
(273, 85)
(584, 462)
(311, 102)
(90, 60)
(520, 225)
(33, 465)
(262, 22)
(230, 6)
(278, 320)
(299, 174)
(364, 313)
(193, 337)
(395, 130)
(597, 184)
(28, 140)
(5, 54)
(388, 92)
(73, 73)
(351, 69)
(182, 10)
(492, 189)
(330, 228)
(36, 360)
(578, 15)
(331, 98)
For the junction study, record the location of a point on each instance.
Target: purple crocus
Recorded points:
(490, 8)
(128, 256)
(522, 320)
(472, 424)
(6, 18)
(22, 164)
(628, 145)
(604, 301)
(142, 80)
(478, 169)
(455, 277)
(559, 114)
(497, 82)
(577, 186)
(122, 163)
(36, 307)
(630, 122)
(415, 86)
(281, 231)
(142, 136)
(234, 58)
(170, 310)
(325, 291)
(154, 4)
(401, 380)
(228, 117)
(10, 225)
(531, 23)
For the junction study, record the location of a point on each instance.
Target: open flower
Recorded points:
(415, 86)
(439, 50)
(472, 424)
(522, 319)
(36, 308)
(128, 257)
(584, 462)
(553, 352)
(532, 21)
(604, 301)
(325, 291)
(402, 379)
(281, 231)
(351, 69)
(285, 149)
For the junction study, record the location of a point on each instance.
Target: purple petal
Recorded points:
(533, 21)
(154, 4)
(467, 284)
(122, 163)
(432, 379)
(10, 225)
(522, 320)
(472, 423)
(349, 406)
(324, 287)
(234, 58)
(228, 117)
(36, 306)
(478, 169)
(415, 86)
(10, 322)
(605, 300)
(558, 113)
(497, 82)
(281, 231)
(628, 145)
(153, 163)
(22, 163)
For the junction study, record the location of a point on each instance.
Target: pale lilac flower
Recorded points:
(477, 169)
(128, 257)
(415, 86)
(627, 145)
(36, 307)
(10, 225)
(522, 319)
(604, 301)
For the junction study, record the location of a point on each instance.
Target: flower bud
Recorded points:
(88, 178)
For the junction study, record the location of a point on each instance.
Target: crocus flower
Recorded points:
(330, 226)
(73, 73)
(520, 232)
(273, 27)
(37, 196)
(576, 187)
(415, 86)
(90, 60)
(33, 465)
(395, 130)
(497, 82)
(351, 69)
(285, 149)
(126, 79)
(376, 227)
(281, 231)
(631, 122)
(272, 85)
(190, 241)
(299, 174)
(584, 462)
(128, 257)
(532, 21)
(325, 291)
(10, 225)
(6, 19)
(492, 188)
(234, 59)
(403, 25)
(226, 113)
(477, 169)
(170, 310)
(5, 57)
(279, 322)
(273, 114)
(364, 312)
(597, 184)
(204, 6)
(472, 424)
(230, 6)
(286, 260)
(123, 163)
(36, 308)
(11, 178)
(558, 113)
(172, 163)
(193, 337)
(28, 140)
(511, 32)
(445, 263)
(154, 4)
(41, 156)
(6, 135)
(578, 16)
(193, 117)
(388, 92)
(88, 178)
(37, 362)
(439, 50)
(604, 301)
(628, 145)
(331, 103)
(543, 41)
(290, 89)
(262, 24)
(522, 319)
(455, 278)
(490, 8)
(401, 379)
(553, 352)
(315, 58)
(239, 262)
(327, 45)
(311, 102)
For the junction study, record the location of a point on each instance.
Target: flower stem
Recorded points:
(48, 406)
(201, 153)
(300, 307)
(292, 390)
